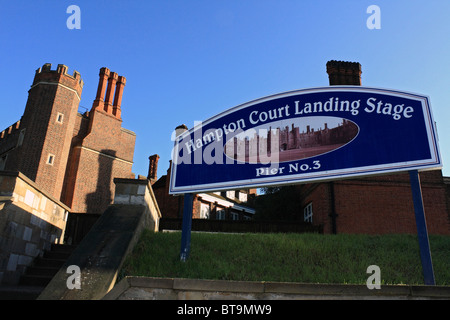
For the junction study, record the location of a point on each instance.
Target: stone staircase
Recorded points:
(44, 268)
(39, 274)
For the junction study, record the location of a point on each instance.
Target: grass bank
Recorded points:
(308, 258)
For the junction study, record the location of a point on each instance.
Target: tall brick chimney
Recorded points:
(109, 92)
(118, 96)
(153, 168)
(113, 77)
(341, 73)
(344, 73)
(99, 101)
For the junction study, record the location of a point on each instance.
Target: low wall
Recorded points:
(138, 192)
(146, 288)
(243, 226)
(30, 221)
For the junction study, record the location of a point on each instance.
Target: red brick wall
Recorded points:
(93, 187)
(196, 208)
(105, 132)
(52, 92)
(57, 141)
(382, 204)
(89, 150)
(319, 195)
(169, 205)
(105, 153)
(9, 145)
(379, 205)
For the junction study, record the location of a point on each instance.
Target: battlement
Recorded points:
(10, 130)
(45, 73)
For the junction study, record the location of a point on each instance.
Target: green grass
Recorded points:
(308, 258)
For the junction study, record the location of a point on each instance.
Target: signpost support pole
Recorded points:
(422, 233)
(186, 227)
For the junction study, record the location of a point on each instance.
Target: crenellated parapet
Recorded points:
(10, 130)
(46, 75)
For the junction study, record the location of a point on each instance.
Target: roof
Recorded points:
(226, 202)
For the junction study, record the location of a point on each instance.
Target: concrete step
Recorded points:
(47, 262)
(56, 255)
(44, 268)
(20, 292)
(63, 248)
(35, 280)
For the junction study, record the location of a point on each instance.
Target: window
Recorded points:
(3, 161)
(230, 194)
(308, 213)
(21, 136)
(220, 214)
(243, 196)
(59, 117)
(204, 211)
(234, 216)
(50, 159)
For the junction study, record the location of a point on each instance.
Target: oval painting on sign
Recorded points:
(291, 139)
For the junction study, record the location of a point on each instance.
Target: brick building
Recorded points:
(225, 205)
(72, 156)
(373, 205)
(57, 165)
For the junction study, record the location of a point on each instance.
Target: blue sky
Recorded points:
(188, 60)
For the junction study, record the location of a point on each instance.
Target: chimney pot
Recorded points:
(180, 129)
(344, 73)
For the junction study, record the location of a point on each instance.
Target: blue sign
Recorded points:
(306, 136)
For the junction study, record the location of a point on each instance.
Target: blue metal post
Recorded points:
(422, 233)
(186, 227)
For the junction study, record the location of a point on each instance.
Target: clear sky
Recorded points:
(187, 60)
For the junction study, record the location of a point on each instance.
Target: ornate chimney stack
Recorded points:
(99, 101)
(344, 73)
(153, 168)
(109, 93)
(118, 96)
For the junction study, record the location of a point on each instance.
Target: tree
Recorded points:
(278, 203)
